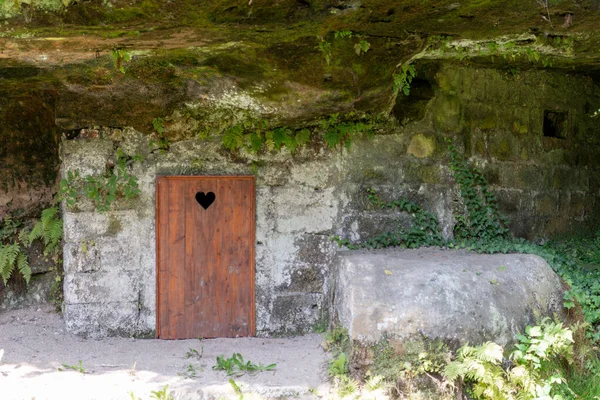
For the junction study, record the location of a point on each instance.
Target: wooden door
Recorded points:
(205, 256)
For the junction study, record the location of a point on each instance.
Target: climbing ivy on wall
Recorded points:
(424, 230)
(479, 218)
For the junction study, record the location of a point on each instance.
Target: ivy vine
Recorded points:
(424, 231)
(479, 218)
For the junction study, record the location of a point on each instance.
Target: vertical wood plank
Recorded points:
(191, 269)
(163, 273)
(176, 289)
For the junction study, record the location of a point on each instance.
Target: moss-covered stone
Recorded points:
(421, 146)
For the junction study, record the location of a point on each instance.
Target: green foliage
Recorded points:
(189, 372)
(79, 368)
(338, 366)
(337, 131)
(193, 353)
(325, 48)
(417, 358)
(120, 56)
(162, 394)
(236, 388)
(480, 220)
(104, 189)
(510, 51)
(233, 138)
(11, 257)
(162, 142)
(577, 260)
(10, 8)
(362, 47)
(404, 78)
(532, 374)
(236, 366)
(14, 240)
(337, 340)
(48, 229)
(424, 231)
(342, 34)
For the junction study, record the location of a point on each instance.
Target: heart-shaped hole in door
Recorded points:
(205, 200)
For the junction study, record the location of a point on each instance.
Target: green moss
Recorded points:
(12, 8)
(421, 146)
(114, 225)
(501, 150)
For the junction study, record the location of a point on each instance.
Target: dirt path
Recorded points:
(36, 346)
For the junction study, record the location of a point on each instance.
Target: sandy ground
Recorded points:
(36, 346)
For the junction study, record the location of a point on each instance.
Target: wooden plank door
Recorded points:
(205, 256)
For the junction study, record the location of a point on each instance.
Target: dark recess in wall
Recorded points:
(412, 107)
(556, 124)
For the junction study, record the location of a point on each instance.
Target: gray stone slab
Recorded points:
(451, 295)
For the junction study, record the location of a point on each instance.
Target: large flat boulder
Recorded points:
(455, 296)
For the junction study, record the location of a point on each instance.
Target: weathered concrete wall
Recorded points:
(544, 184)
(109, 258)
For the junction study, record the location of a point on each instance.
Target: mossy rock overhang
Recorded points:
(257, 59)
(187, 50)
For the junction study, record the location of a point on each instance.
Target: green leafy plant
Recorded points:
(162, 142)
(120, 56)
(339, 133)
(79, 368)
(14, 240)
(115, 183)
(193, 353)
(325, 48)
(48, 229)
(338, 366)
(362, 47)
(189, 372)
(236, 388)
(342, 34)
(402, 370)
(480, 219)
(162, 394)
(530, 376)
(424, 230)
(11, 257)
(403, 79)
(236, 366)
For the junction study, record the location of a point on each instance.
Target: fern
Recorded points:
(48, 229)
(23, 267)
(233, 138)
(8, 256)
(12, 255)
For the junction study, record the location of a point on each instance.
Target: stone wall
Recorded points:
(545, 184)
